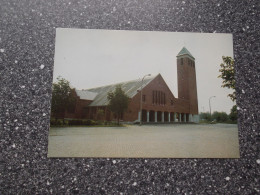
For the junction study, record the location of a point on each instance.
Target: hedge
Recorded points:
(72, 122)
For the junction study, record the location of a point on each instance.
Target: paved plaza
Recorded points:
(148, 141)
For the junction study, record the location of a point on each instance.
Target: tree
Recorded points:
(205, 115)
(118, 102)
(228, 75)
(62, 98)
(220, 116)
(233, 113)
(100, 114)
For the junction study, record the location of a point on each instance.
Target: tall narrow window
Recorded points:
(163, 98)
(159, 97)
(143, 98)
(181, 61)
(153, 97)
(159, 94)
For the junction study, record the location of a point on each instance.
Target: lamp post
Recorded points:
(210, 105)
(141, 101)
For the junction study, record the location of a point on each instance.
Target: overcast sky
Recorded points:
(93, 58)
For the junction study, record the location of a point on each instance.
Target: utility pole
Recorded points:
(141, 101)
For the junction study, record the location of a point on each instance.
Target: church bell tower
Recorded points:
(187, 85)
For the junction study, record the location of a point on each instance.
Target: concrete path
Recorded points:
(149, 141)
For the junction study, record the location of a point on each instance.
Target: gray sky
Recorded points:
(93, 58)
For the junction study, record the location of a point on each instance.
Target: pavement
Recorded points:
(147, 141)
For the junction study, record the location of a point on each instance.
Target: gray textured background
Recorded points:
(27, 41)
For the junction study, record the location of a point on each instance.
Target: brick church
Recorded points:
(158, 102)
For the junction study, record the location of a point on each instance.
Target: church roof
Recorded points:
(86, 95)
(184, 51)
(129, 87)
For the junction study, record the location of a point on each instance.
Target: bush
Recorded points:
(77, 122)
(89, 122)
(52, 122)
(58, 122)
(66, 122)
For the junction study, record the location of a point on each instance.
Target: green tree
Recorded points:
(62, 98)
(100, 114)
(118, 102)
(227, 71)
(220, 116)
(233, 113)
(228, 75)
(206, 116)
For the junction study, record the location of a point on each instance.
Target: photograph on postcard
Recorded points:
(143, 94)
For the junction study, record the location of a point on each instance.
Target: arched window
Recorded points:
(181, 61)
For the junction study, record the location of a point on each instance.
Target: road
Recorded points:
(148, 141)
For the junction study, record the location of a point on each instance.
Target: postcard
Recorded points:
(143, 94)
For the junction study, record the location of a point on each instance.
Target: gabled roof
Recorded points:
(129, 87)
(86, 95)
(184, 51)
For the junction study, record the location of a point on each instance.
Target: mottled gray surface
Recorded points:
(27, 40)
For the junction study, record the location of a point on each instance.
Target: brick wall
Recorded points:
(158, 84)
(187, 85)
(80, 108)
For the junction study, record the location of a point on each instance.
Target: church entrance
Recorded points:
(151, 116)
(166, 116)
(144, 115)
(159, 116)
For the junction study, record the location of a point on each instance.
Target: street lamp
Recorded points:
(210, 105)
(141, 101)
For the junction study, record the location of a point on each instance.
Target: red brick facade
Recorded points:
(187, 87)
(159, 104)
(80, 108)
